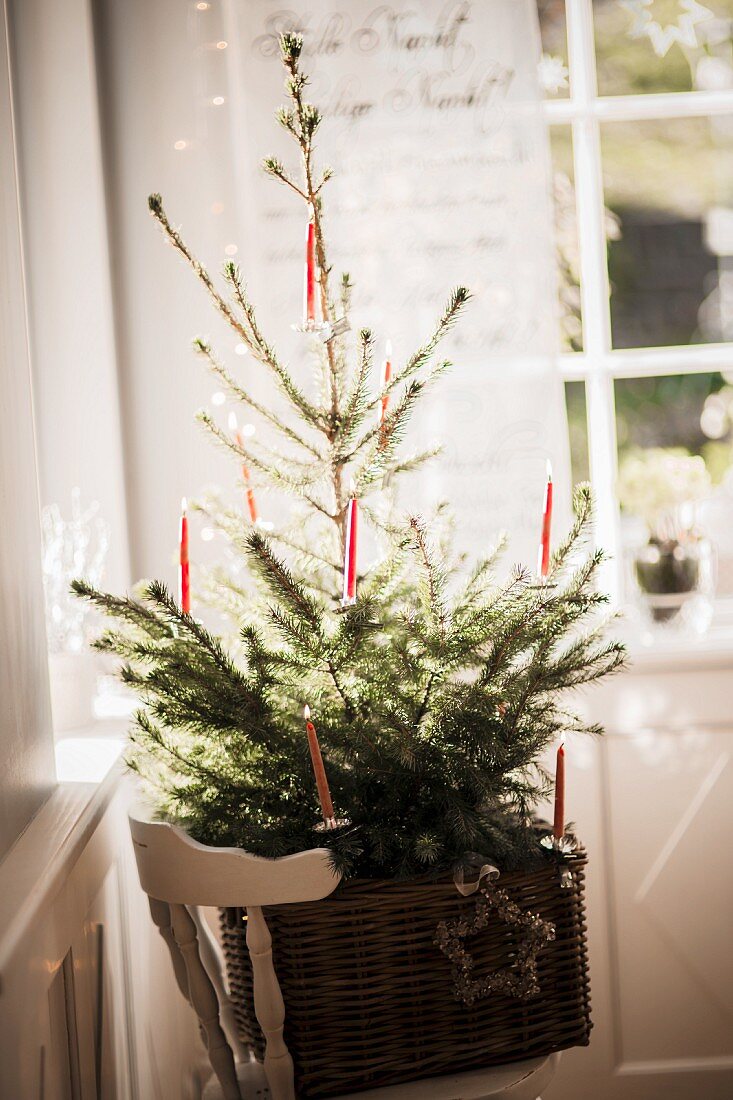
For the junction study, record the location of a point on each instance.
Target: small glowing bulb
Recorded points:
(218, 100)
(232, 421)
(180, 144)
(184, 505)
(207, 534)
(248, 429)
(202, 6)
(231, 250)
(265, 524)
(218, 398)
(222, 45)
(217, 207)
(241, 349)
(307, 713)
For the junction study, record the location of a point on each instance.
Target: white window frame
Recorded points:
(598, 365)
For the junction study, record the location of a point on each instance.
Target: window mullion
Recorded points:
(637, 108)
(594, 288)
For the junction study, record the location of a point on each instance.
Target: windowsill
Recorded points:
(89, 770)
(86, 754)
(660, 651)
(89, 754)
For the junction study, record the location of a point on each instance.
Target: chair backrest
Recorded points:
(175, 868)
(176, 873)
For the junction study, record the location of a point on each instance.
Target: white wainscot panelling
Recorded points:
(89, 1009)
(653, 803)
(670, 800)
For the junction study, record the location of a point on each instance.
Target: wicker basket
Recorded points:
(370, 999)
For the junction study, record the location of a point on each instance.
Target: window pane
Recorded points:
(566, 239)
(577, 431)
(670, 184)
(661, 421)
(554, 63)
(662, 46)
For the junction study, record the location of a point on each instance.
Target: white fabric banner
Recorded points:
(441, 178)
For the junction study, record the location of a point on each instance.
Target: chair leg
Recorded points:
(269, 1007)
(211, 958)
(204, 1001)
(161, 913)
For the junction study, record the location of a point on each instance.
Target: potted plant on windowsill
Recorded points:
(435, 692)
(673, 568)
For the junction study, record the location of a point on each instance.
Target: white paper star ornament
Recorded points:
(663, 35)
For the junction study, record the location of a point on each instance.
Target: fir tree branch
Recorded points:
(281, 582)
(307, 552)
(203, 348)
(250, 336)
(155, 205)
(266, 353)
(456, 302)
(357, 400)
(302, 121)
(275, 474)
(385, 437)
(122, 607)
(273, 167)
(434, 578)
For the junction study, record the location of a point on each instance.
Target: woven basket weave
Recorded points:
(370, 1000)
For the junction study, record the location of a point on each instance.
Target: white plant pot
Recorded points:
(73, 678)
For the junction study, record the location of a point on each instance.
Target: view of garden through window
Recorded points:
(652, 108)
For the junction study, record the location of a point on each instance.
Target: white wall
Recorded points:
(147, 97)
(26, 744)
(68, 278)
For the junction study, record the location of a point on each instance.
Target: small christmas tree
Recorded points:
(434, 692)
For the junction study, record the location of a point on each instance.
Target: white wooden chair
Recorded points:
(179, 875)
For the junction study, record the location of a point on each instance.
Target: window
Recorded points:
(639, 95)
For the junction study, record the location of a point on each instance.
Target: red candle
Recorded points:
(251, 502)
(558, 828)
(184, 580)
(309, 290)
(352, 519)
(386, 378)
(324, 794)
(543, 557)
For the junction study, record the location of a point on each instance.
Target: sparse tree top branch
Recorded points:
(302, 120)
